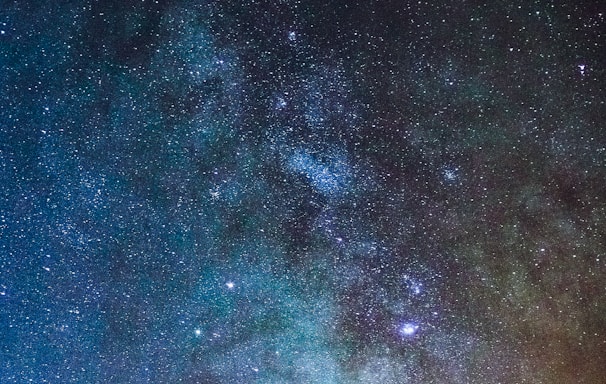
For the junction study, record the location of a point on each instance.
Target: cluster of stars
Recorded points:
(408, 329)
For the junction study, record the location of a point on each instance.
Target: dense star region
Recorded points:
(285, 191)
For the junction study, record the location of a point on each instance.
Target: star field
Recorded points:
(374, 192)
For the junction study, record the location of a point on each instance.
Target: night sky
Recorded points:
(337, 192)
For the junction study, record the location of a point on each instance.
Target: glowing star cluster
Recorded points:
(408, 329)
(330, 177)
